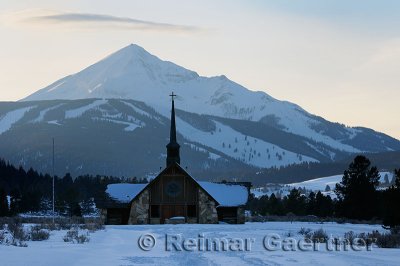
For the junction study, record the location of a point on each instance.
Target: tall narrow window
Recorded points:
(155, 211)
(191, 211)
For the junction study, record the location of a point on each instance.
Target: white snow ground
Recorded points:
(317, 184)
(321, 183)
(118, 245)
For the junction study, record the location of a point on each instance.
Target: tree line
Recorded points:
(29, 191)
(358, 197)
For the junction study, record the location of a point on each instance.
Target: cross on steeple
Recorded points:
(172, 95)
(173, 146)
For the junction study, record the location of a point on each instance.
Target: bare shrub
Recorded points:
(37, 233)
(304, 231)
(319, 236)
(73, 236)
(82, 238)
(17, 232)
(4, 237)
(2, 223)
(68, 223)
(65, 224)
(93, 226)
(350, 236)
(395, 230)
(374, 234)
(364, 239)
(50, 226)
(388, 240)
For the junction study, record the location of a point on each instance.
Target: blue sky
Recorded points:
(337, 59)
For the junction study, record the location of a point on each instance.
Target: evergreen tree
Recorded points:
(296, 203)
(357, 190)
(15, 199)
(311, 204)
(391, 200)
(263, 205)
(324, 205)
(3, 203)
(75, 209)
(397, 178)
(275, 204)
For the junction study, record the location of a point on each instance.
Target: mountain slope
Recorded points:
(113, 118)
(123, 137)
(133, 73)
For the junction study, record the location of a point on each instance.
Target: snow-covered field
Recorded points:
(331, 181)
(118, 245)
(317, 184)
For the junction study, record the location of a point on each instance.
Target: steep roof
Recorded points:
(123, 192)
(226, 195)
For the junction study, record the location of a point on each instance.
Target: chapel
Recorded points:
(174, 196)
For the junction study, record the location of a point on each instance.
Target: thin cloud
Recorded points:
(91, 20)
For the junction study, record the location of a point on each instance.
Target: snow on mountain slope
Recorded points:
(81, 110)
(128, 125)
(236, 145)
(10, 118)
(209, 144)
(133, 73)
(137, 109)
(42, 113)
(211, 155)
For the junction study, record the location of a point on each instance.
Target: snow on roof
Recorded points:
(124, 192)
(227, 195)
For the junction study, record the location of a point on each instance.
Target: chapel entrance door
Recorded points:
(169, 211)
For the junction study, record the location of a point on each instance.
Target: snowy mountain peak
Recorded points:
(133, 54)
(133, 73)
(127, 73)
(131, 50)
(127, 54)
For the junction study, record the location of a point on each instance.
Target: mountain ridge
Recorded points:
(133, 73)
(123, 137)
(122, 101)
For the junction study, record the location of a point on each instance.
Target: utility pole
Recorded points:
(53, 183)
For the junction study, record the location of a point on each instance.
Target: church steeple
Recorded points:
(173, 146)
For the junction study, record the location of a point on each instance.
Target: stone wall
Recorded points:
(139, 213)
(191, 220)
(155, 220)
(103, 216)
(241, 218)
(207, 210)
